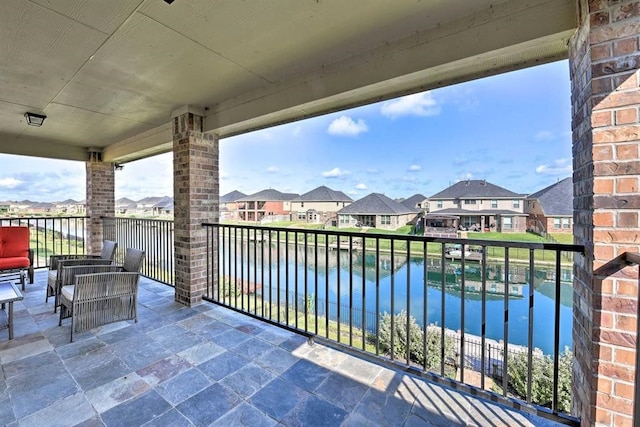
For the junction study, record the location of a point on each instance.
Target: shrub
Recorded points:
(542, 378)
(415, 342)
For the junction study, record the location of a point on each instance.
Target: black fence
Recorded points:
(338, 285)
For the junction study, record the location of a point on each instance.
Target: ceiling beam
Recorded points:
(505, 37)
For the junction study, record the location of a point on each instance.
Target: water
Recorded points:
(349, 280)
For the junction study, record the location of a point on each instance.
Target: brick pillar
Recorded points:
(196, 191)
(604, 61)
(100, 200)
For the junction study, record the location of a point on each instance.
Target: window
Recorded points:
(301, 216)
(566, 222)
(507, 222)
(494, 204)
(557, 222)
(385, 219)
(302, 204)
(516, 204)
(439, 204)
(344, 219)
(469, 202)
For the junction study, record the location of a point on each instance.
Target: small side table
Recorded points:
(8, 294)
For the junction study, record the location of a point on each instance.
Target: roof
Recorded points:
(412, 201)
(231, 197)
(165, 203)
(324, 194)
(556, 199)
(269, 195)
(377, 204)
(475, 188)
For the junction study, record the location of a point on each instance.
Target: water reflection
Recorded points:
(363, 284)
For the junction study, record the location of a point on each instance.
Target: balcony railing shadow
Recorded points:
(208, 364)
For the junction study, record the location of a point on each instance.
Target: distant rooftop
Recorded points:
(556, 199)
(377, 204)
(475, 188)
(324, 194)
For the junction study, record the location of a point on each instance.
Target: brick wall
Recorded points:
(100, 201)
(196, 191)
(604, 61)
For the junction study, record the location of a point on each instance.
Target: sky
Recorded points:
(513, 129)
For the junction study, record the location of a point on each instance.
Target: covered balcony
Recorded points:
(127, 79)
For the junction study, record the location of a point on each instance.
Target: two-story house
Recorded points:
(478, 205)
(550, 210)
(265, 205)
(319, 205)
(229, 205)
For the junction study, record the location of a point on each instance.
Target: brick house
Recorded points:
(229, 205)
(376, 210)
(319, 205)
(550, 210)
(478, 205)
(266, 205)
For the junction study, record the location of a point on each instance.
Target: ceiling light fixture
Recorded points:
(34, 119)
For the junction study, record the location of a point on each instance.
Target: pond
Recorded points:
(348, 280)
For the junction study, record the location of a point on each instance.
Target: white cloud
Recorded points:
(361, 186)
(373, 171)
(9, 183)
(418, 104)
(352, 192)
(334, 173)
(346, 126)
(273, 169)
(409, 178)
(543, 135)
(559, 167)
(414, 168)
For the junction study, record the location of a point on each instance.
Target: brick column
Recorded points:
(196, 191)
(100, 200)
(604, 61)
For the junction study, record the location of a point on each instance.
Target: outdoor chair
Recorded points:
(56, 262)
(15, 255)
(100, 294)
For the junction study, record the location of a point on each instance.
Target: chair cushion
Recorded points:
(52, 275)
(67, 292)
(8, 263)
(14, 242)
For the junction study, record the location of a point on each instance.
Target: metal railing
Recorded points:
(52, 235)
(154, 236)
(325, 284)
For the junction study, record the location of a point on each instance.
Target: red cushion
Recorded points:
(13, 262)
(14, 242)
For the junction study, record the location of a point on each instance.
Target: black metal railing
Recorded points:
(154, 236)
(410, 300)
(52, 235)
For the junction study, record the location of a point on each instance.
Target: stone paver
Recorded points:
(206, 365)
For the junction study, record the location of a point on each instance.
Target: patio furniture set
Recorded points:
(89, 289)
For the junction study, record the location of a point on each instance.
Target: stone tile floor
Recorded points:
(207, 365)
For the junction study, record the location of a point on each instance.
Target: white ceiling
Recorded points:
(108, 73)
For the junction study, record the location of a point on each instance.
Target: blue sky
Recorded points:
(514, 130)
